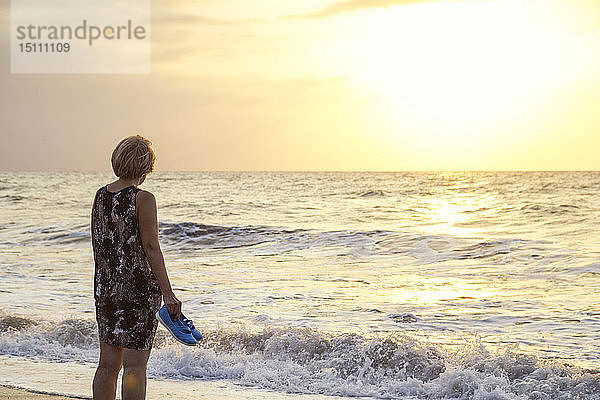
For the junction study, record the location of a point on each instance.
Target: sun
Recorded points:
(454, 63)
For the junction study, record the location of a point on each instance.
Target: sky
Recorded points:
(377, 85)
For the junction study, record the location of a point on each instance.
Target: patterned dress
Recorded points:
(126, 292)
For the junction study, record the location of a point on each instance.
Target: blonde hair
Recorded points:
(133, 157)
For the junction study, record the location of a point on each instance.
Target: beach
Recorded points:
(73, 380)
(7, 393)
(323, 285)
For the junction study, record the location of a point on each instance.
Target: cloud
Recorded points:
(355, 5)
(189, 19)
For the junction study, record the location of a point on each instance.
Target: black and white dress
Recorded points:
(126, 292)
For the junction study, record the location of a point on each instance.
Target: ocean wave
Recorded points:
(372, 193)
(12, 198)
(265, 240)
(424, 249)
(66, 340)
(441, 248)
(189, 237)
(52, 234)
(302, 360)
(551, 209)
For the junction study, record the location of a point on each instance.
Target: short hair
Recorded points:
(133, 157)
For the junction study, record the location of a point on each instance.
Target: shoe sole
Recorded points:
(171, 332)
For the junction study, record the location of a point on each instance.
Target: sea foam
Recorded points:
(302, 360)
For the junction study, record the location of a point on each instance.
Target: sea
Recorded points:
(323, 285)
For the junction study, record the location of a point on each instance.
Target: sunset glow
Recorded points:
(323, 85)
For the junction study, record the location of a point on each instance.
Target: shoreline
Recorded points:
(12, 392)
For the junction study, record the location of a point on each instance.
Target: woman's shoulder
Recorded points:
(144, 197)
(145, 204)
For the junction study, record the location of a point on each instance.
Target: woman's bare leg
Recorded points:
(134, 374)
(105, 379)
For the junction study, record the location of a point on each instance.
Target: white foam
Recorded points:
(293, 360)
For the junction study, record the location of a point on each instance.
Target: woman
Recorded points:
(130, 274)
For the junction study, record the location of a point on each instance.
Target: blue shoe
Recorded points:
(195, 333)
(180, 331)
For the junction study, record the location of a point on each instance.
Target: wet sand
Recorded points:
(7, 393)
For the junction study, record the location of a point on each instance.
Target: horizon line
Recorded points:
(324, 171)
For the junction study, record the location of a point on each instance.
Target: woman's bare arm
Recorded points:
(148, 223)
